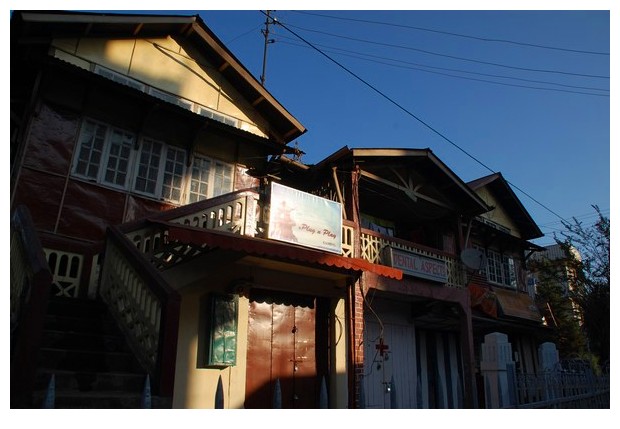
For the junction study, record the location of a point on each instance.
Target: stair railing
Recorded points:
(30, 284)
(144, 306)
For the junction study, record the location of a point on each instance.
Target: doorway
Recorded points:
(286, 347)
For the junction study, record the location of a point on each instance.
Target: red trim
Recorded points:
(272, 248)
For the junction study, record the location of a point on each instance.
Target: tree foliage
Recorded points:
(554, 301)
(591, 278)
(573, 291)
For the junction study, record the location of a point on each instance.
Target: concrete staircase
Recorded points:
(92, 365)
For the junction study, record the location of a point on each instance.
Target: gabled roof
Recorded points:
(504, 194)
(423, 162)
(42, 26)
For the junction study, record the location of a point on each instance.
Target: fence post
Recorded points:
(362, 393)
(277, 395)
(146, 393)
(219, 394)
(549, 359)
(50, 395)
(494, 366)
(323, 399)
(393, 398)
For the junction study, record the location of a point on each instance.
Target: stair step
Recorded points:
(77, 324)
(78, 307)
(98, 400)
(93, 367)
(87, 361)
(83, 341)
(91, 381)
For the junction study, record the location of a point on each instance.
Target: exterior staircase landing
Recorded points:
(92, 365)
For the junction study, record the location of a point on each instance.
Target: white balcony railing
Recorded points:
(241, 213)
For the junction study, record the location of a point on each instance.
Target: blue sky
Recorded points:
(539, 116)
(481, 88)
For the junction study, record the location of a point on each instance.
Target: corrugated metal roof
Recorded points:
(270, 248)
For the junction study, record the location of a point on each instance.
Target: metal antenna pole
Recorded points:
(267, 41)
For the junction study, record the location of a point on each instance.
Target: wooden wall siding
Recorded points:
(425, 367)
(399, 366)
(440, 378)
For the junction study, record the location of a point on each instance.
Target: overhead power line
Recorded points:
(450, 56)
(253, 29)
(434, 130)
(411, 67)
(467, 36)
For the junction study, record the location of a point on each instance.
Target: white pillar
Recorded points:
(549, 359)
(548, 356)
(497, 368)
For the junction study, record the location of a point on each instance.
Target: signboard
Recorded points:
(305, 219)
(417, 265)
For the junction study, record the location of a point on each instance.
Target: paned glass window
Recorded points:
(148, 166)
(222, 181)
(119, 156)
(199, 186)
(111, 157)
(500, 268)
(209, 179)
(174, 172)
(90, 152)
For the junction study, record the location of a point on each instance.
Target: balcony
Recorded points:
(243, 213)
(372, 245)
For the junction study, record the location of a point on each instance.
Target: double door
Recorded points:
(282, 353)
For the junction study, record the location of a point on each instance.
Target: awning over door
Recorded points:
(271, 249)
(517, 304)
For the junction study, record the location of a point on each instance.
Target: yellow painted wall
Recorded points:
(195, 386)
(498, 214)
(165, 65)
(339, 386)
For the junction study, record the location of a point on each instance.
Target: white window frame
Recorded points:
(170, 167)
(146, 175)
(500, 268)
(104, 160)
(213, 177)
(177, 159)
(162, 173)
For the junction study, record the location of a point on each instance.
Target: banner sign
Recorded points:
(305, 219)
(417, 265)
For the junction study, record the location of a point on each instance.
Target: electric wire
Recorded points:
(406, 111)
(242, 35)
(448, 56)
(370, 57)
(578, 218)
(467, 36)
(476, 73)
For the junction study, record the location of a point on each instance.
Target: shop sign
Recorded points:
(417, 265)
(305, 219)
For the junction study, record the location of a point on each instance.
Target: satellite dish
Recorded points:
(473, 258)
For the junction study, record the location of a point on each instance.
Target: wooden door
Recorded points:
(282, 348)
(389, 377)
